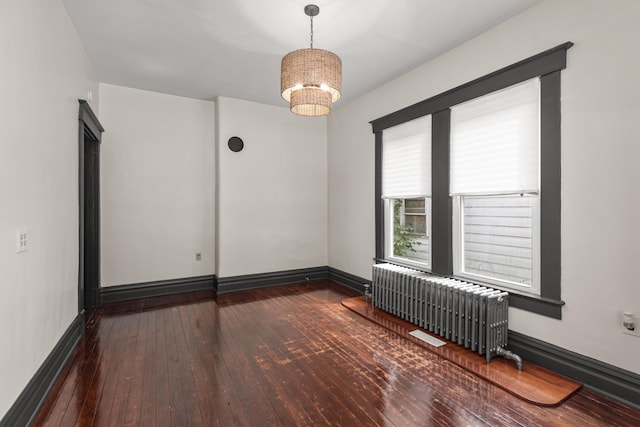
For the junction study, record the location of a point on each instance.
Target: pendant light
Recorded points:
(311, 79)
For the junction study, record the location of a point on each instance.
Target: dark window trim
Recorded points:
(379, 206)
(551, 60)
(441, 204)
(546, 65)
(550, 178)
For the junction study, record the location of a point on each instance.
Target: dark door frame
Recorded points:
(89, 132)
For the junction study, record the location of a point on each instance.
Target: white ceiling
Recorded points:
(208, 48)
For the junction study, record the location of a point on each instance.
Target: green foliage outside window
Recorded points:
(403, 235)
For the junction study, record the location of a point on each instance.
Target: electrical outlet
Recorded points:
(21, 239)
(635, 319)
(198, 256)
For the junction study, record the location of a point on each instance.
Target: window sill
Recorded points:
(408, 263)
(537, 304)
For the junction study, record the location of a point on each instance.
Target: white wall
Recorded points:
(157, 186)
(272, 196)
(43, 74)
(600, 158)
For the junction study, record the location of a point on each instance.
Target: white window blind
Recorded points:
(495, 142)
(406, 159)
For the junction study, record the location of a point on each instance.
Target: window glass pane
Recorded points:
(409, 230)
(414, 206)
(417, 223)
(498, 237)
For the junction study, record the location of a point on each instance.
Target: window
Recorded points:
(406, 181)
(494, 184)
(492, 210)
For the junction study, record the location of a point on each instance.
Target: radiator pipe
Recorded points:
(367, 294)
(510, 355)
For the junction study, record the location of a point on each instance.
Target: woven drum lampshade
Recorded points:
(311, 79)
(310, 102)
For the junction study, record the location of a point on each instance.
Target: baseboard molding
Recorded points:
(262, 280)
(254, 281)
(607, 379)
(158, 288)
(27, 405)
(347, 279)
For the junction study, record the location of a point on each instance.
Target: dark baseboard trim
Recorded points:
(158, 288)
(604, 378)
(27, 405)
(262, 280)
(347, 279)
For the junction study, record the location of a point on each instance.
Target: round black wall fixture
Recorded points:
(235, 144)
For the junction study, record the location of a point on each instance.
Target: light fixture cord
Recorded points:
(311, 31)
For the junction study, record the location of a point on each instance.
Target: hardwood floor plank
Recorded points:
(278, 369)
(185, 411)
(208, 368)
(310, 365)
(147, 415)
(198, 372)
(240, 366)
(124, 373)
(163, 404)
(107, 376)
(282, 356)
(132, 413)
(90, 351)
(115, 380)
(187, 377)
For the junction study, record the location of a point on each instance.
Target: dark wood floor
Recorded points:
(283, 356)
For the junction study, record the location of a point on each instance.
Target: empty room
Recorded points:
(297, 213)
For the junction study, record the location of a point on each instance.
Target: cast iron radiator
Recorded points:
(467, 314)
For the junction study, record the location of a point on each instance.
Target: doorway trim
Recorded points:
(88, 127)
